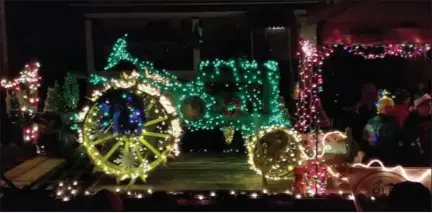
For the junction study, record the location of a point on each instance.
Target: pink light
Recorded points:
(402, 171)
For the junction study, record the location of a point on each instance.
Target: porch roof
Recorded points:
(157, 6)
(374, 21)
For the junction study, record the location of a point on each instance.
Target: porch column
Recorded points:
(252, 43)
(89, 45)
(3, 41)
(196, 49)
(309, 33)
(3, 67)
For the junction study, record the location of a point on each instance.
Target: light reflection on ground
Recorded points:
(201, 172)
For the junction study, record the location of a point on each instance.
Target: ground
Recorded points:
(12, 155)
(201, 172)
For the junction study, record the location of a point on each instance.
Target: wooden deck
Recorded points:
(192, 172)
(32, 170)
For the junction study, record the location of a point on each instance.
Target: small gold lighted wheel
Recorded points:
(193, 108)
(274, 152)
(129, 132)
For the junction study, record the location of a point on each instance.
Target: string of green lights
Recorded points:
(249, 103)
(257, 87)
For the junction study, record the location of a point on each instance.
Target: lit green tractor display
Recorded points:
(135, 122)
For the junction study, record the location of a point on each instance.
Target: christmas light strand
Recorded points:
(26, 86)
(256, 93)
(402, 171)
(68, 190)
(308, 102)
(310, 71)
(249, 78)
(275, 150)
(157, 137)
(315, 170)
(25, 89)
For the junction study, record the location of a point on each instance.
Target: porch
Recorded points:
(257, 30)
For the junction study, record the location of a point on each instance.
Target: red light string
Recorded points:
(311, 58)
(308, 102)
(25, 87)
(315, 171)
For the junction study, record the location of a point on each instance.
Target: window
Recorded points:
(166, 43)
(225, 38)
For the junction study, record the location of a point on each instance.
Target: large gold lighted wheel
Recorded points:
(274, 152)
(129, 132)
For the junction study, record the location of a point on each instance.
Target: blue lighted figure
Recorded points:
(105, 108)
(137, 119)
(127, 118)
(116, 118)
(105, 119)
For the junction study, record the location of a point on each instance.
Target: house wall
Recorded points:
(167, 37)
(54, 33)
